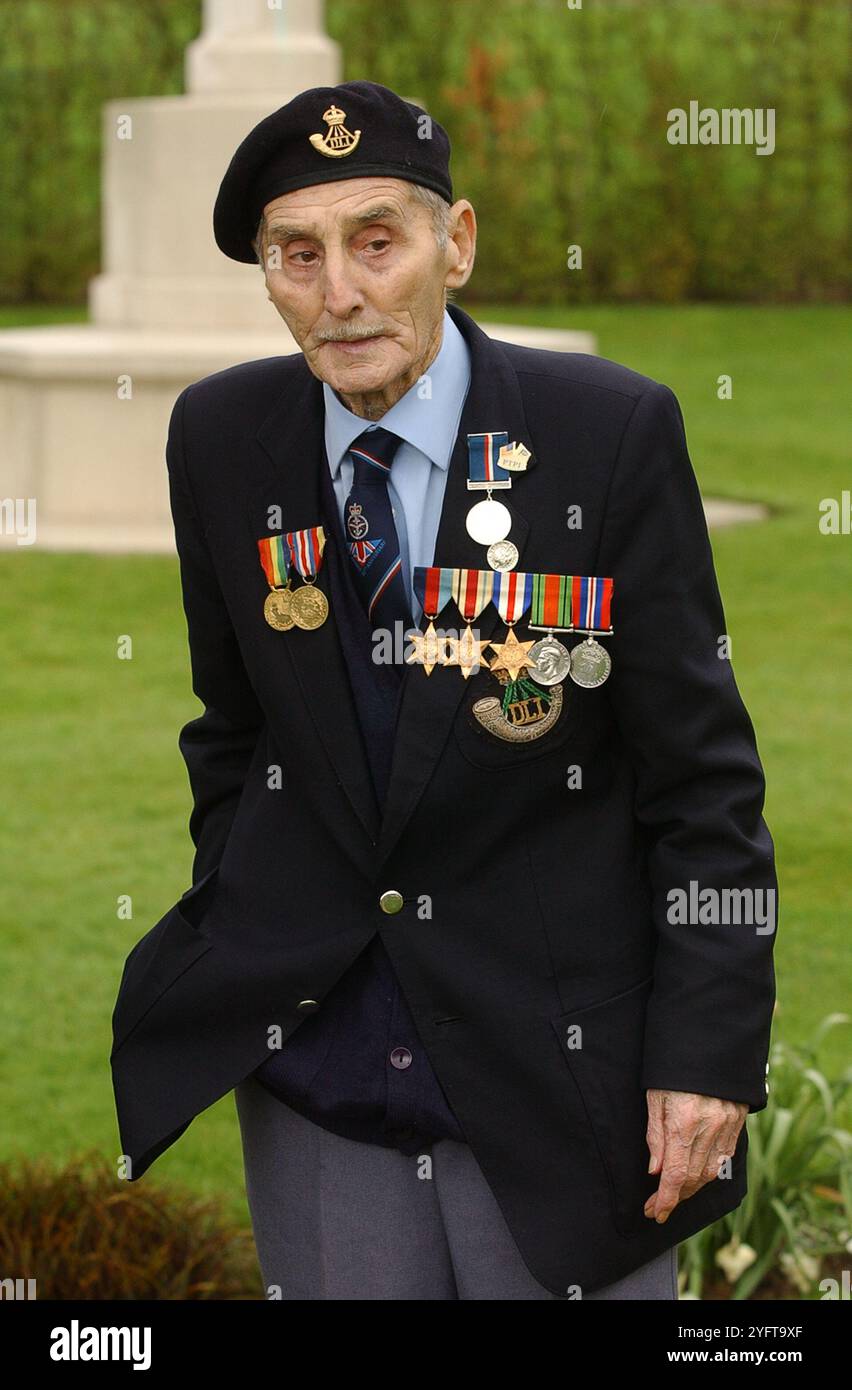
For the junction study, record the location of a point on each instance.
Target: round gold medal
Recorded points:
(310, 607)
(278, 609)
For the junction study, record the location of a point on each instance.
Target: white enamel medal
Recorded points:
(488, 521)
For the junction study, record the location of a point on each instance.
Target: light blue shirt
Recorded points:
(427, 420)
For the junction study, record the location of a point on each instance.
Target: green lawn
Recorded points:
(96, 791)
(33, 315)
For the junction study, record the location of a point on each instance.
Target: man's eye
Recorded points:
(304, 257)
(379, 244)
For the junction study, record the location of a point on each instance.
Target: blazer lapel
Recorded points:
(290, 454)
(428, 704)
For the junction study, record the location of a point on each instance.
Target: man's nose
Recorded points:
(341, 291)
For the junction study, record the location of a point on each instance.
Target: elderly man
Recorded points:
(436, 940)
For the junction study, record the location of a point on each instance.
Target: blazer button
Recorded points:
(401, 1058)
(307, 1006)
(391, 901)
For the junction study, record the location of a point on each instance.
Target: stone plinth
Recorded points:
(95, 462)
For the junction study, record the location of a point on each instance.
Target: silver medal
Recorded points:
(550, 662)
(502, 555)
(590, 664)
(488, 521)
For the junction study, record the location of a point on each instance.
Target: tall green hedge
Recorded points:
(558, 118)
(60, 60)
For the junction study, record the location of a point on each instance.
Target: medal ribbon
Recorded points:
(551, 601)
(558, 601)
(591, 599)
(472, 590)
(483, 470)
(512, 594)
(433, 587)
(274, 558)
(305, 549)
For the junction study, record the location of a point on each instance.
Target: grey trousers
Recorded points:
(336, 1219)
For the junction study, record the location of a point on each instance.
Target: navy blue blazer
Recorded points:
(550, 894)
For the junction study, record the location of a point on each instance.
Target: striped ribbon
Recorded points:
(305, 549)
(558, 601)
(275, 560)
(551, 601)
(591, 598)
(472, 590)
(433, 586)
(483, 470)
(512, 594)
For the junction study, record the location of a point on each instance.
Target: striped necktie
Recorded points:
(371, 533)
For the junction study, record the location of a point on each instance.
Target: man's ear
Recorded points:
(461, 248)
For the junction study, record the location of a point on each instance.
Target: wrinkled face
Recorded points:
(354, 269)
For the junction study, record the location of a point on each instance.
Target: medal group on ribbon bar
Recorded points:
(286, 607)
(556, 603)
(530, 672)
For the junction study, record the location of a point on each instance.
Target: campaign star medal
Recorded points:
(487, 521)
(278, 605)
(337, 141)
(550, 612)
(526, 711)
(428, 649)
(472, 590)
(591, 600)
(433, 587)
(511, 655)
(305, 549)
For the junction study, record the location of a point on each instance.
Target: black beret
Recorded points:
(354, 130)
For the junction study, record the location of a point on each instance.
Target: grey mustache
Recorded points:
(350, 337)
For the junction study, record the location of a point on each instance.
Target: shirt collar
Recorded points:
(428, 422)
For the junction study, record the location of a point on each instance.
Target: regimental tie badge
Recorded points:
(363, 552)
(337, 141)
(356, 522)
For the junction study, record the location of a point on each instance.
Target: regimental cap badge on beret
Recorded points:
(337, 141)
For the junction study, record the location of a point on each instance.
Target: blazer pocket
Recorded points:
(485, 749)
(161, 956)
(602, 1044)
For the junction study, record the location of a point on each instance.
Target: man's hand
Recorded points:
(689, 1137)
